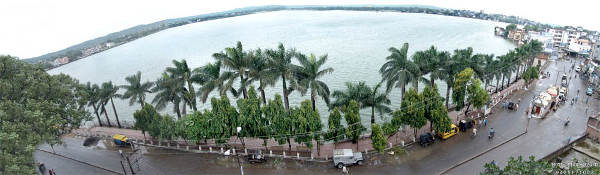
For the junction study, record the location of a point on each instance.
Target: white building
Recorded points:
(562, 38)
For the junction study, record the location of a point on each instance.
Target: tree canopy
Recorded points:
(35, 108)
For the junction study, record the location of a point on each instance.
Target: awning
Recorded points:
(552, 92)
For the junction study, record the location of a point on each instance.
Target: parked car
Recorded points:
(425, 139)
(256, 156)
(590, 91)
(453, 131)
(577, 69)
(342, 157)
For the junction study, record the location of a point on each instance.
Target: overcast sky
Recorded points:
(32, 28)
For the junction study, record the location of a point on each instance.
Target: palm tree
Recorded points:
(436, 71)
(365, 96)
(238, 63)
(489, 68)
(398, 70)
(535, 48)
(521, 55)
(308, 75)
(210, 77)
(449, 68)
(181, 72)
(280, 61)
(497, 73)
(107, 92)
(260, 71)
(92, 97)
(168, 90)
(136, 91)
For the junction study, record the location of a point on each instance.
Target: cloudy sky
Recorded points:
(34, 27)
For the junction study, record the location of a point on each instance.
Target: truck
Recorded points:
(343, 157)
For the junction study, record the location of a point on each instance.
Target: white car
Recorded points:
(577, 69)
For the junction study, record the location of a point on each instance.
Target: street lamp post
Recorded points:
(528, 113)
(238, 159)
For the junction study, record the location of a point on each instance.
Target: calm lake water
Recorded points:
(356, 42)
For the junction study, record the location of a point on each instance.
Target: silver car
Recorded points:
(342, 157)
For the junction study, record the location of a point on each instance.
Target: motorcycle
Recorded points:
(491, 135)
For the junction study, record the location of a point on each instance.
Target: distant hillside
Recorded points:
(133, 30)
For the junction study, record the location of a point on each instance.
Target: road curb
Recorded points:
(79, 161)
(469, 159)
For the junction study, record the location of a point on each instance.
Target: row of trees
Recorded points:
(267, 67)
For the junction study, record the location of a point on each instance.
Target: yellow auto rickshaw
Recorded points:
(121, 140)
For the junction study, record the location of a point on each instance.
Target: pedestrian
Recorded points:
(480, 122)
(485, 122)
(586, 109)
(53, 172)
(345, 170)
(516, 106)
(569, 139)
(503, 105)
(519, 100)
(50, 171)
(121, 153)
(587, 99)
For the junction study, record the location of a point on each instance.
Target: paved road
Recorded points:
(63, 165)
(545, 136)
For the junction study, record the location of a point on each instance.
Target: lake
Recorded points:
(356, 42)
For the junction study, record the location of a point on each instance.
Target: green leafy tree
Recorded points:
(440, 119)
(542, 166)
(336, 129)
(476, 94)
(107, 93)
(280, 124)
(308, 75)
(352, 116)
(250, 116)
(430, 99)
(181, 126)
(379, 141)
(136, 91)
(35, 108)
(460, 87)
(226, 119)
(412, 111)
(145, 119)
(168, 128)
(366, 97)
(307, 123)
(509, 28)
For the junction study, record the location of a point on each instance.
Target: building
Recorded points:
(63, 60)
(545, 38)
(499, 31)
(518, 36)
(55, 63)
(562, 38)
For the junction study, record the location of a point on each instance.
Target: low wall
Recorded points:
(564, 149)
(592, 127)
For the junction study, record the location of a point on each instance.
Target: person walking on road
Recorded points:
(587, 99)
(485, 122)
(569, 139)
(474, 132)
(121, 153)
(345, 170)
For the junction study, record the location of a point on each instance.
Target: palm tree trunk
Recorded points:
(192, 96)
(262, 93)
(372, 112)
(447, 95)
(285, 97)
(178, 114)
(115, 110)
(98, 116)
(503, 80)
(106, 114)
(184, 108)
(403, 90)
(517, 75)
(243, 87)
(432, 82)
(508, 82)
(312, 98)
(497, 83)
